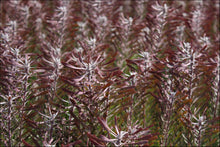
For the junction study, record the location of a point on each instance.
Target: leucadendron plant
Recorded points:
(109, 73)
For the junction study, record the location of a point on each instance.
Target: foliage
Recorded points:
(104, 73)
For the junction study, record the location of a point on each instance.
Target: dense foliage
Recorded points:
(109, 73)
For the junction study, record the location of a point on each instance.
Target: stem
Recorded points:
(22, 108)
(144, 115)
(190, 82)
(54, 89)
(167, 125)
(218, 85)
(107, 101)
(9, 123)
(51, 129)
(199, 138)
(190, 91)
(89, 78)
(168, 111)
(131, 106)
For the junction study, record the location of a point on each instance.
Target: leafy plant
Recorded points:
(109, 73)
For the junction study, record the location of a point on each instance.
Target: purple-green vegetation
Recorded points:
(109, 73)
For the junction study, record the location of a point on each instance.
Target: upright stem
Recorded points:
(190, 90)
(89, 80)
(22, 108)
(190, 82)
(9, 123)
(144, 115)
(199, 138)
(107, 101)
(218, 85)
(51, 129)
(167, 124)
(131, 106)
(54, 89)
(53, 96)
